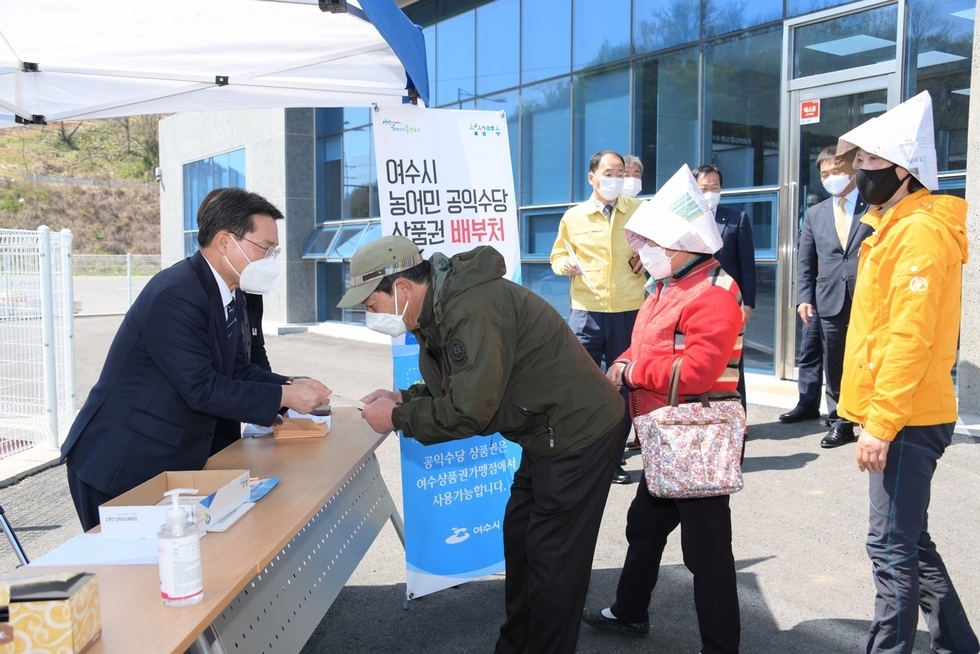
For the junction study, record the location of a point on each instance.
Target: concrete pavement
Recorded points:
(804, 579)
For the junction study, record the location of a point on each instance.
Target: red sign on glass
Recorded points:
(809, 112)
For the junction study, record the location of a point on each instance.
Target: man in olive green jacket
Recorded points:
(495, 357)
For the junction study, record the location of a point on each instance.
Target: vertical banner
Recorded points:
(445, 181)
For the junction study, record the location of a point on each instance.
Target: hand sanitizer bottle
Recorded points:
(179, 549)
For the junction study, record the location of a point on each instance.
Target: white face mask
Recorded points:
(655, 261)
(392, 324)
(258, 276)
(632, 186)
(610, 188)
(713, 199)
(835, 184)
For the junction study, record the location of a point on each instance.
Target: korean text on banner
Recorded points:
(445, 181)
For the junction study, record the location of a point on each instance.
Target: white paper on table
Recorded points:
(585, 278)
(93, 549)
(252, 431)
(231, 518)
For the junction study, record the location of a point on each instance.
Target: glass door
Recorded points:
(819, 116)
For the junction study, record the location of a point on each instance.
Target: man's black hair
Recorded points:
(707, 169)
(597, 159)
(231, 209)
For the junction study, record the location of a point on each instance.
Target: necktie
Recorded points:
(607, 210)
(842, 222)
(231, 323)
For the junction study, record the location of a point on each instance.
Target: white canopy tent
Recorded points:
(104, 58)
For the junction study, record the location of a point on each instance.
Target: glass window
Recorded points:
(723, 16)
(546, 40)
(330, 178)
(358, 174)
(498, 54)
(538, 232)
(849, 41)
(509, 103)
(329, 121)
(347, 241)
(203, 176)
(455, 59)
(356, 116)
(799, 7)
(665, 115)
(761, 209)
(601, 121)
(657, 25)
(330, 282)
(545, 149)
(940, 56)
(760, 331)
(319, 243)
(554, 289)
(741, 107)
(600, 33)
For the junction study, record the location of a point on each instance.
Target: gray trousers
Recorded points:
(909, 574)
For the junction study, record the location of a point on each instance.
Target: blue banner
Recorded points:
(454, 499)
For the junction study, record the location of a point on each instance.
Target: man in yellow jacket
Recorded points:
(897, 381)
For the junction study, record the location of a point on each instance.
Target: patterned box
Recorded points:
(49, 613)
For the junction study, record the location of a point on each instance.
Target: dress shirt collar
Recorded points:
(226, 294)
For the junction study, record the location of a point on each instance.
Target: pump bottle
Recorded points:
(179, 549)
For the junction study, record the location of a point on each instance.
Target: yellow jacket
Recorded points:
(603, 254)
(905, 318)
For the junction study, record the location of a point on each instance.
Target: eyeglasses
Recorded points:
(270, 252)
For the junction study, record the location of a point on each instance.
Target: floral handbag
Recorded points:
(691, 450)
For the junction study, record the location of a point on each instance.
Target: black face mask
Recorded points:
(878, 186)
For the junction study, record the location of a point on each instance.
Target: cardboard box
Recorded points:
(50, 613)
(142, 511)
(301, 428)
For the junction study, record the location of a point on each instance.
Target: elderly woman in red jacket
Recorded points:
(693, 311)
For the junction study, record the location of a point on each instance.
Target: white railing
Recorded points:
(108, 283)
(37, 358)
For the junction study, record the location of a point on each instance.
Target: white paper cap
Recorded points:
(678, 217)
(903, 135)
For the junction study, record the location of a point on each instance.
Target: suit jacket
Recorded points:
(737, 253)
(825, 271)
(171, 372)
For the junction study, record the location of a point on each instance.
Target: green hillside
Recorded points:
(118, 211)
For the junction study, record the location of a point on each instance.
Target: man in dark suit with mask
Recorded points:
(178, 364)
(830, 241)
(737, 253)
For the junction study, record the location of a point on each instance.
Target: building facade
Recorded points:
(757, 89)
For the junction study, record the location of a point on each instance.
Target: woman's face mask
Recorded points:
(257, 276)
(655, 261)
(392, 324)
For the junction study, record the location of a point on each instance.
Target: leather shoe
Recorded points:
(599, 621)
(799, 413)
(620, 476)
(838, 436)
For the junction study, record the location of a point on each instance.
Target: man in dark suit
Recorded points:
(830, 242)
(178, 363)
(737, 253)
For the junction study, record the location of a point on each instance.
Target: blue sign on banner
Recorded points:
(454, 496)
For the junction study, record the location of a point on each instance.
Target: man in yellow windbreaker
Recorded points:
(897, 381)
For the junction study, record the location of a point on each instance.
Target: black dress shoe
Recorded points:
(799, 413)
(621, 477)
(599, 621)
(838, 436)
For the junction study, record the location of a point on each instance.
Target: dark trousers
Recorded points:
(86, 499)
(550, 529)
(605, 336)
(706, 543)
(810, 378)
(833, 331)
(909, 573)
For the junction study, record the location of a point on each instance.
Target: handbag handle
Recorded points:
(673, 398)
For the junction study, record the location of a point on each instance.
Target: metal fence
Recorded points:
(37, 358)
(108, 283)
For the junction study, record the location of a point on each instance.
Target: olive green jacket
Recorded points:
(496, 357)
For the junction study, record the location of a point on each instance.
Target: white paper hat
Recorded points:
(677, 217)
(903, 135)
